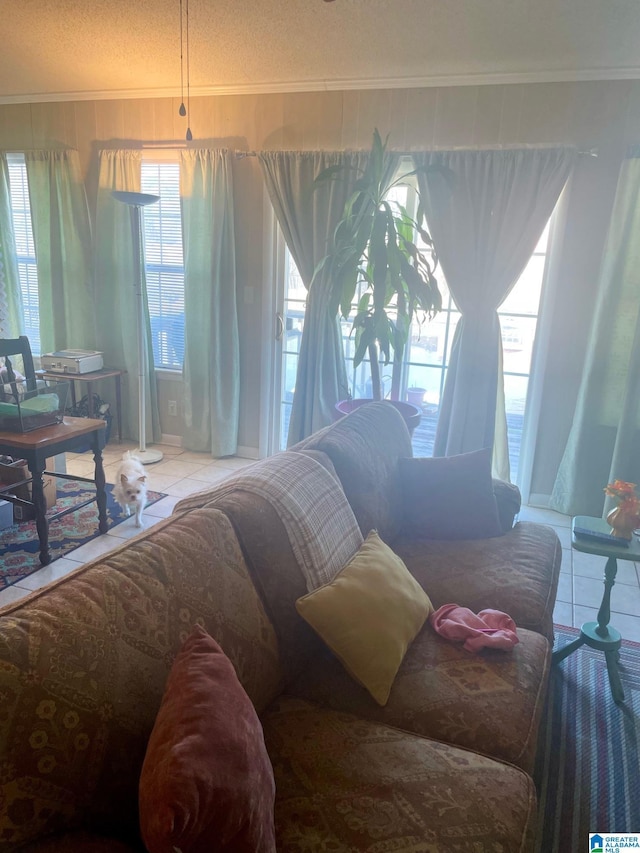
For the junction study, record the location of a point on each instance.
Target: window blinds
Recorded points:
(25, 249)
(164, 264)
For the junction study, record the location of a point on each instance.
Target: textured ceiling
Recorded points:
(70, 49)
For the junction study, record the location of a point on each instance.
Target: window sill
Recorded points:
(165, 374)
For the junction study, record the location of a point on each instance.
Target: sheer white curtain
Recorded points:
(604, 441)
(485, 220)
(63, 244)
(308, 219)
(211, 354)
(117, 331)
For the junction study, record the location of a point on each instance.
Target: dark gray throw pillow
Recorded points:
(449, 497)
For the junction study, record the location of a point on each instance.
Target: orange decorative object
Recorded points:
(623, 522)
(625, 517)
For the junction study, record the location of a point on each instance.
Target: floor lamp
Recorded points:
(136, 201)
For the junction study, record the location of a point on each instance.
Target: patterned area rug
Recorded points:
(19, 547)
(588, 764)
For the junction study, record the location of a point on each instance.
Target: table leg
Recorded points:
(119, 407)
(565, 651)
(90, 398)
(604, 614)
(40, 507)
(101, 495)
(617, 691)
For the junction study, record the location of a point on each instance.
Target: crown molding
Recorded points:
(343, 84)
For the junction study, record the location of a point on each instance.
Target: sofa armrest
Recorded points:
(509, 500)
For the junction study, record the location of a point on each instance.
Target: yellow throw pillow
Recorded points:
(369, 615)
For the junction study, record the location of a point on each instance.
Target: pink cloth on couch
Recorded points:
(487, 629)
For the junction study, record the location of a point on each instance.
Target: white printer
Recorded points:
(72, 361)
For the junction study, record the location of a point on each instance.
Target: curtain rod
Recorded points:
(586, 152)
(167, 144)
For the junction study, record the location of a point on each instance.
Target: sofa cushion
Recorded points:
(516, 573)
(365, 447)
(346, 784)
(449, 497)
(83, 664)
(206, 781)
(490, 702)
(369, 614)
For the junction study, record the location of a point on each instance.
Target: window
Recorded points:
(518, 316)
(162, 251)
(429, 348)
(164, 264)
(25, 249)
(295, 296)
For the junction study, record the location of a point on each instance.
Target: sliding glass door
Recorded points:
(429, 349)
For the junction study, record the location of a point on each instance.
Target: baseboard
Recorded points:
(171, 440)
(243, 452)
(248, 452)
(539, 500)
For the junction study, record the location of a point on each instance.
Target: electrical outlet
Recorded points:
(173, 408)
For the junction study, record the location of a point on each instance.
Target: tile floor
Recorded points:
(182, 472)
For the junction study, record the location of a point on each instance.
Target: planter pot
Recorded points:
(409, 412)
(415, 396)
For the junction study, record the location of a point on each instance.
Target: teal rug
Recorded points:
(19, 547)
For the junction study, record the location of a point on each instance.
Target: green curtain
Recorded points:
(62, 238)
(10, 296)
(117, 333)
(308, 219)
(485, 222)
(604, 441)
(211, 353)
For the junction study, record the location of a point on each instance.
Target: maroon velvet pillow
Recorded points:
(449, 497)
(207, 782)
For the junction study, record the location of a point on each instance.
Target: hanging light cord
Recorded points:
(182, 110)
(189, 134)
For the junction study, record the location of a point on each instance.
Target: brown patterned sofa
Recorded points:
(444, 766)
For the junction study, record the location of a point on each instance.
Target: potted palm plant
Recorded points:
(375, 258)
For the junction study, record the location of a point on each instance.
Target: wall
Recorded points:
(600, 114)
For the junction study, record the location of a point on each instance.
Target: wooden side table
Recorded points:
(38, 446)
(600, 634)
(90, 378)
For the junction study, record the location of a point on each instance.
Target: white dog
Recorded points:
(130, 489)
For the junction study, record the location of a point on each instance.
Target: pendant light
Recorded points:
(182, 111)
(184, 28)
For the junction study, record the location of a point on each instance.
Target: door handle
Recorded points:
(279, 326)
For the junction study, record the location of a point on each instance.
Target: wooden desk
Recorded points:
(90, 378)
(39, 445)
